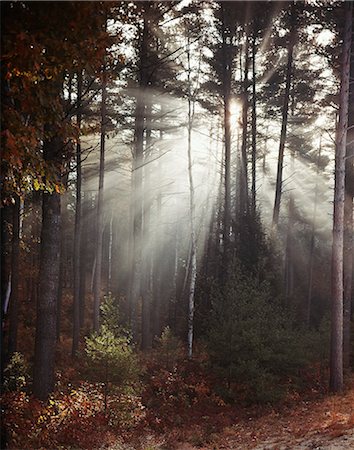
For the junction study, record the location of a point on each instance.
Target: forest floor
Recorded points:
(325, 423)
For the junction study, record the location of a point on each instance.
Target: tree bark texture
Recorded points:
(45, 342)
(348, 221)
(254, 126)
(336, 355)
(15, 278)
(193, 237)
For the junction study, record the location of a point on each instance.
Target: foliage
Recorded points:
(252, 343)
(16, 373)
(109, 354)
(169, 349)
(69, 420)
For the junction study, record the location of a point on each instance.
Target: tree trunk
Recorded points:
(193, 238)
(348, 221)
(45, 342)
(227, 151)
(15, 277)
(77, 235)
(99, 210)
(284, 124)
(146, 336)
(312, 244)
(336, 356)
(137, 186)
(83, 259)
(243, 181)
(254, 126)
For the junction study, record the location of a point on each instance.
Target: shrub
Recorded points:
(109, 355)
(252, 343)
(16, 376)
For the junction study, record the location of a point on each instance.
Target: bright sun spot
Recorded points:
(235, 112)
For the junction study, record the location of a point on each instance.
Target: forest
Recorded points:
(177, 182)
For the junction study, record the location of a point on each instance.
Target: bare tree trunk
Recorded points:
(254, 126)
(336, 356)
(279, 181)
(99, 212)
(45, 342)
(348, 221)
(83, 259)
(15, 277)
(137, 185)
(227, 151)
(312, 245)
(77, 236)
(110, 249)
(193, 269)
(243, 181)
(146, 337)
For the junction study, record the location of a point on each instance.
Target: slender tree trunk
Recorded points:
(348, 221)
(77, 236)
(312, 244)
(83, 259)
(157, 327)
(285, 111)
(137, 187)
(146, 337)
(45, 342)
(15, 277)
(99, 211)
(227, 151)
(336, 356)
(193, 269)
(243, 182)
(254, 126)
(63, 257)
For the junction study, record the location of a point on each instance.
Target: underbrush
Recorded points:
(76, 419)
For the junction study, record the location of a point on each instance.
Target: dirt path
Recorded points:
(325, 424)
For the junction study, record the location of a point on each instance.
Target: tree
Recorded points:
(336, 358)
(285, 111)
(43, 379)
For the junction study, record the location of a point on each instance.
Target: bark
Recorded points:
(83, 259)
(15, 277)
(99, 210)
(243, 182)
(348, 221)
(336, 355)
(285, 111)
(45, 342)
(137, 185)
(157, 327)
(77, 236)
(146, 337)
(254, 126)
(227, 136)
(193, 238)
(312, 244)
